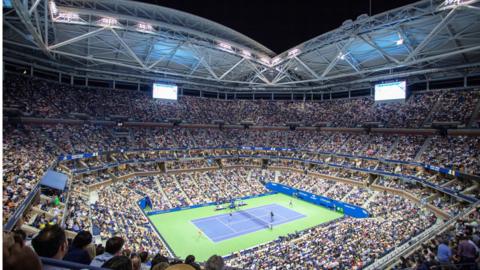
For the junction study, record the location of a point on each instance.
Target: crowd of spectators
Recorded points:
(52, 243)
(397, 220)
(54, 100)
(457, 247)
(115, 214)
(29, 150)
(21, 173)
(456, 106)
(388, 211)
(458, 153)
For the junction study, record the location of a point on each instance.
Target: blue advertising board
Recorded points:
(348, 209)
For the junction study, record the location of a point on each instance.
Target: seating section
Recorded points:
(104, 200)
(45, 143)
(35, 97)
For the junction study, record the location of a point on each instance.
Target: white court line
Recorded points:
(235, 232)
(202, 232)
(214, 217)
(226, 225)
(241, 232)
(209, 219)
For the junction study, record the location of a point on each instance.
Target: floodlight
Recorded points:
(246, 53)
(108, 21)
(293, 52)
(225, 46)
(144, 27)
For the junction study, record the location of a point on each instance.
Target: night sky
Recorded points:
(280, 25)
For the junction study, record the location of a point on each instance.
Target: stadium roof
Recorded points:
(125, 39)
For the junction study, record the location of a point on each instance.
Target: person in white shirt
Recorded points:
(113, 248)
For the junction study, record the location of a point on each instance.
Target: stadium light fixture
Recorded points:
(225, 46)
(246, 53)
(293, 52)
(265, 60)
(399, 42)
(68, 16)
(53, 8)
(145, 27)
(341, 56)
(108, 21)
(454, 2)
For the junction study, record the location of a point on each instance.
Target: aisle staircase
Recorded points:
(394, 145)
(348, 194)
(475, 115)
(195, 183)
(428, 119)
(424, 147)
(330, 188)
(167, 201)
(177, 184)
(372, 197)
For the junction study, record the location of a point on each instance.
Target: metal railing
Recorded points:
(67, 264)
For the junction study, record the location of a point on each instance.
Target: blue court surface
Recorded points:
(223, 227)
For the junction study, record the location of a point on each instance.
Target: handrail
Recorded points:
(365, 170)
(68, 265)
(263, 148)
(25, 204)
(447, 191)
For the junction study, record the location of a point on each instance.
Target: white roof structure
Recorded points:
(126, 39)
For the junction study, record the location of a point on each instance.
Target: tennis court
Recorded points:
(226, 226)
(248, 228)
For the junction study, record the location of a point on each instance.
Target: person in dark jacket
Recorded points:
(78, 251)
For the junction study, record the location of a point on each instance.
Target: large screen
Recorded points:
(390, 91)
(165, 91)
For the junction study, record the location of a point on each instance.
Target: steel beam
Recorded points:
(432, 33)
(258, 73)
(140, 68)
(385, 55)
(337, 57)
(431, 58)
(75, 39)
(232, 68)
(129, 50)
(33, 7)
(314, 74)
(22, 13)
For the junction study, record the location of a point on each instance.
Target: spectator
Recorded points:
(20, 236)
(159, 259)
(467, 253)
(17, 256)
(144, 258)
(78, 250)
(136, 261)
(215, 262)
(113, 248)
(51, 242)
(118, 263)
(444, 253)
(191, 261)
